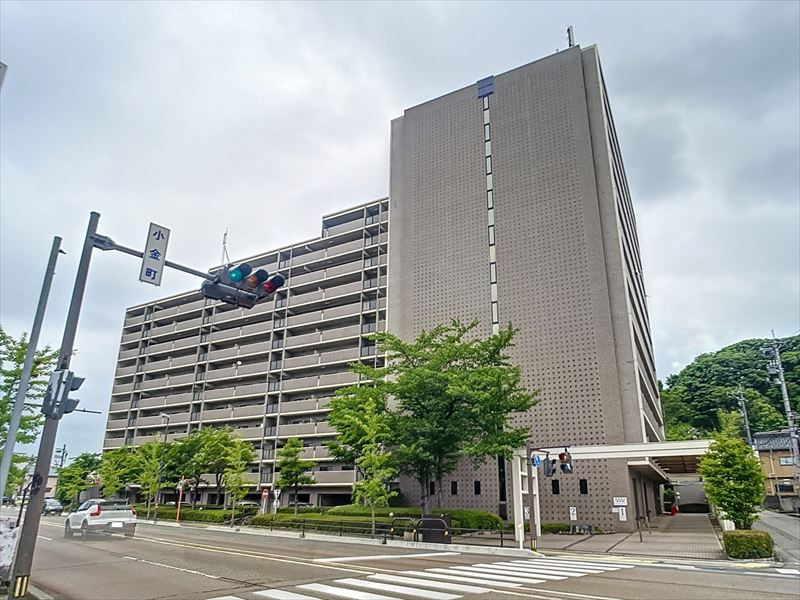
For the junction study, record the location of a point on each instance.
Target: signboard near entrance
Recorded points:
(620, 501)
(573, 513)
(623, 513)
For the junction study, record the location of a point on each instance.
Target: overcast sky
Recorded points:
(262, 117)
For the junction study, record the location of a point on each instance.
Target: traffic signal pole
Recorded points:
(27, 367)
(30, 527)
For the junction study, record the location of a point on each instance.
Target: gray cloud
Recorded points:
(262, 117)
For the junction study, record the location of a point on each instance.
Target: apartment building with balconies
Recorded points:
(268, 372)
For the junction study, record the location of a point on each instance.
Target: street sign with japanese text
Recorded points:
(154, 256)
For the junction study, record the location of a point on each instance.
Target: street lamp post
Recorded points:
(165, 420)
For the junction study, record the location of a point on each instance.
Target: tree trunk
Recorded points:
(373, 520)
(296, 491)
(439, 491)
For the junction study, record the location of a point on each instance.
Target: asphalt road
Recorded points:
(199, 564)
(785, 532)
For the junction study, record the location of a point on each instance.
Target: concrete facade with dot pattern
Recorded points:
(568, 269)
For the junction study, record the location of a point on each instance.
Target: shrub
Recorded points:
(555, 527)
(302, 509)
(461, 517)
(747, 544)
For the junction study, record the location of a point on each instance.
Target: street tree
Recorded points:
(293, 469)
(76, 477)
(453, 394)
(239, 454)
(732, 475)
(360, 417)
(12, 358)
(217, 446)
(374, 461)
(117, 468)
(148, 460)
(186, 459)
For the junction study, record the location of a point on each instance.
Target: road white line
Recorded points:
(383, 557)
(437, 585)
(462, 578)
(283, 595)
(226, 598)
(41, 537)
(487, 574)
(554, 569)
(563, 565)
(397, 589)
(788, 571)
(342, 592)
(156, 564)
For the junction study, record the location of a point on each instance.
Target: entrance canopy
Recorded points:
(659, 460)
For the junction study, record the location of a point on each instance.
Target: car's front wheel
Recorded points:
(67, 530)
(85, 531)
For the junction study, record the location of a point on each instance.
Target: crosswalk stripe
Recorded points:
(788, 571)
(282, 595)
(398, 589)
(437, 585)
(226, 598)
(588, 563)
(494, 575)
(555, 569)
(522, 571)
(342, 592)
(462, 578)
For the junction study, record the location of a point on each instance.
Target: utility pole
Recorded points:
(775, 367)
(743, 409)
(531, 492)
(27, 367)
(61, 456)
(30, 527)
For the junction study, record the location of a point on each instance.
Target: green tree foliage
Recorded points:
(694, 396)
(238, 455)
(204, 451)
(117, 468)
(732, 475)
(148, 460)
(374, 461)
(77, 477)
(454, 393)
(12, 357)
(293, 469)
(360, 417)
(17, 472)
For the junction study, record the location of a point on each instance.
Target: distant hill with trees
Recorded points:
(692, 399)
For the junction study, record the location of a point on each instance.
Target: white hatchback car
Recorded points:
(111, 516)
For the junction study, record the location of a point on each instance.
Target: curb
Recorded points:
(35, 593)
(463, 548)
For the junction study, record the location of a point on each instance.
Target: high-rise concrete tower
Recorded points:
(509, 203)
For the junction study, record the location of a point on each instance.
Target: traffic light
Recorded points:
(66, 404)
(53, 393)
(241, 286)
(566, 462)
(549, 466)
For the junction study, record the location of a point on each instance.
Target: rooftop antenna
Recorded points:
(570, 36)
(225, 258)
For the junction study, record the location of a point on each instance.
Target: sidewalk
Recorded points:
(681, 536)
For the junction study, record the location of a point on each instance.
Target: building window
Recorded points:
(786, 460)
(487, 146)
(491, 234)
(488, 164)
(584, 486)
(489, 185)
(555, 487)
(492, 272)
(487, 133)
(495, 316)
(785, 488)
(485, 102)
(370, 304)
(490, 199)
(476, 488)
(454, 488)
(431, 488)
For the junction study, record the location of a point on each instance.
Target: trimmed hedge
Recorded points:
(348, 525)
(461, 517)
(555, 527)
(748, 543)
(206, 515)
